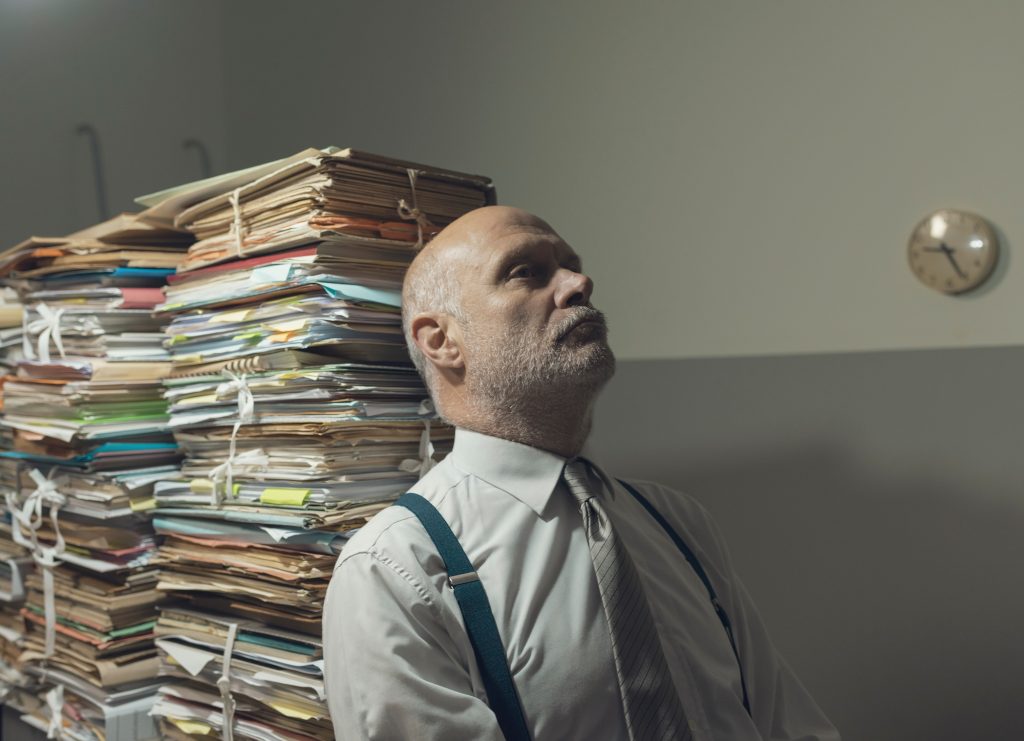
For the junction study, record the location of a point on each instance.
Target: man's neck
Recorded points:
(559, 428)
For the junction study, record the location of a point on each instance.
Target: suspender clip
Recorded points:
(454, 581)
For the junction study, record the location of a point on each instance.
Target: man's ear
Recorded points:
(438, 338)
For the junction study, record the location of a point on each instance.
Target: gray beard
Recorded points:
(519, 381)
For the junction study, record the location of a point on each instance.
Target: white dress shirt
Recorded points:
(398, 661)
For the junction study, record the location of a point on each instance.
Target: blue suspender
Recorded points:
(476, 612)
(480, 625)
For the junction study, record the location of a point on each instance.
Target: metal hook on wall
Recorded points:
(204, 155)
(97, 167)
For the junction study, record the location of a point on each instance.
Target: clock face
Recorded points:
(953, 251)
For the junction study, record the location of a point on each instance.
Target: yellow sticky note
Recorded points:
(205, 486)
(210, 398)
(287, 326)
(292, 711)
(141, 505)
(177, 339)
(193, 727)
(230, 317)
(200, 486)
(288, 497)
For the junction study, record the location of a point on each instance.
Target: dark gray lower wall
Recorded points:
(874, 505)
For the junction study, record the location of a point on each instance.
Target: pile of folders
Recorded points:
(299, 415)
(86, 440)
(213, 395)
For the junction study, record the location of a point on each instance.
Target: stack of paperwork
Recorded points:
(86, 439)
(299, 415)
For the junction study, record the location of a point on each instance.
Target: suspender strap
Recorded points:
(701, 574)
(476, 612)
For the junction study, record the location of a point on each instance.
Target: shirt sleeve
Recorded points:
(781, 708)
(392, 669)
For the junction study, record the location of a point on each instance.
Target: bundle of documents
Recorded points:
(371, 208)
(299, 415)
(88, 438)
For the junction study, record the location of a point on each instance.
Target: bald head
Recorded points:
(468, 237)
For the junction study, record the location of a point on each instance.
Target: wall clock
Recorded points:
(953, 251)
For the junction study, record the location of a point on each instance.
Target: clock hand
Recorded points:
(948, 252)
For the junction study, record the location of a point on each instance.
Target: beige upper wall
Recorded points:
(740, 177)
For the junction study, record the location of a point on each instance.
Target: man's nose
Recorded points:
(574, 289)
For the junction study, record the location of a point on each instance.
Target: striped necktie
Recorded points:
(649, 698)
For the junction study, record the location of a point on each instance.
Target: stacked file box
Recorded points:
(299, 415)
(87, 440)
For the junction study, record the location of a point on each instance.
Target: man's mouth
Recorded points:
(590, 319)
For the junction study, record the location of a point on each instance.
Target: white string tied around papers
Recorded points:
(29, 517)
(237, 224)
(251, 461)
(55, 702)
(224, 685)
(26, 340)
(414, 213)
(17, 585)
(246, 415)
(48, 327)
(244, 397)
(426, 452)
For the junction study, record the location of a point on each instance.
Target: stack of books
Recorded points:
(299, 415)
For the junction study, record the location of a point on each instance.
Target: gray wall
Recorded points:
(740, 176)
(146, 75)
(873, 506)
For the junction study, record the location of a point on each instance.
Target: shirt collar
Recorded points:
(528, 474)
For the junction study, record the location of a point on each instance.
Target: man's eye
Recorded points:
(523, 271)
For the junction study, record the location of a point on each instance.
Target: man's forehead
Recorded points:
(514, 239)
(486, 236)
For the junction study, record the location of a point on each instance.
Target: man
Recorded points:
(498, 319)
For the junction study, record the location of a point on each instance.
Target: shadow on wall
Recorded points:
(895, 597)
